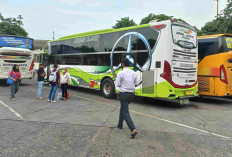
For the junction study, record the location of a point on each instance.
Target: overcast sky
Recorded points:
(41, 17)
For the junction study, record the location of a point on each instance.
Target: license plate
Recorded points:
(6, 68)
(188, 92)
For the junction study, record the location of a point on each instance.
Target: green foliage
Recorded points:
(158, 18)
(220, 25)
(12, 26)
(124, 22)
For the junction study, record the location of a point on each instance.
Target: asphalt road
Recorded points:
(85, 126)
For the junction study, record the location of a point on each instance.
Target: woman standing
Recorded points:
(64, 80)
(16, 77)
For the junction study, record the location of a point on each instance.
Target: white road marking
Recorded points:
(11, 109)
(161, 119)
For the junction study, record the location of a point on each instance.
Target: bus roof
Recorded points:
(97, 32)
(215, 35)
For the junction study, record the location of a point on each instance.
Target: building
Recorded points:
(38, 51)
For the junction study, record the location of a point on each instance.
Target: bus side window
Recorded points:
(55, 47)
(107, 42)
(65, 47)
(150, 34)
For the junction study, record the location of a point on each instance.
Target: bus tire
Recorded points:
(108, 88)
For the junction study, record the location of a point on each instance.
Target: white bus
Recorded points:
(163, 54)
(16, 50)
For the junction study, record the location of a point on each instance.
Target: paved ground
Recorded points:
(85, 126)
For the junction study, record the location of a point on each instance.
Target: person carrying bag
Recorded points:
(65, 79)
(13, 80)
(54, 81)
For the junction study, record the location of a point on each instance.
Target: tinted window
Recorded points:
(104, 42)
(207, 47)
(150, 34)
(121, 44)
(77, 45)
(55, 47)
(108, 42)
(142, 58)
(87, 59)
(65, 46)
(86, 44)
(104, 59)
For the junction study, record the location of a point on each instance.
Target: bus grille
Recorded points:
(204, 84)
(182, 55)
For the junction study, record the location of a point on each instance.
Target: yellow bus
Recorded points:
(215, 65)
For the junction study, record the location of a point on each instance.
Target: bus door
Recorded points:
(149, 83)
(147, 78)
(45, 62)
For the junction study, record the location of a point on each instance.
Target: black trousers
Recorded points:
(64, 88)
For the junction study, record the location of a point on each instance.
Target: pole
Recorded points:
(20, 18)
(217, 8)
(53, 37)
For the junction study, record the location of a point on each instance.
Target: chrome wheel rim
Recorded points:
(107, 88)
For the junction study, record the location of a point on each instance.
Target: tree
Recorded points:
(124, 22)
(12, 26)
(158, 18)
(220, 25)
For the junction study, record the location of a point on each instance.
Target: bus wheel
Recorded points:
(108, 88)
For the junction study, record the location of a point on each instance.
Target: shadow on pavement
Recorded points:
(213, 100)
(85, 90)
(141, 100)
(162, 103)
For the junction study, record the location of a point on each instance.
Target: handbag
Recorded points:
(10, 81)
(59, 95)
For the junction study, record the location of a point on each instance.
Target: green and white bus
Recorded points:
(163, 54)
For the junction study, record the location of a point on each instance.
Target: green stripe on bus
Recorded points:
(97, 32)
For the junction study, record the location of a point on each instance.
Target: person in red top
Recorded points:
(15, 75)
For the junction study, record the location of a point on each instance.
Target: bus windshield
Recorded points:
(207, 47)
(18, 42)
(184, 36)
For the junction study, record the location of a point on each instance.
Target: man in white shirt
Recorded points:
(126, 81)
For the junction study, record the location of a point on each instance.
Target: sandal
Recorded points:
(133, 134)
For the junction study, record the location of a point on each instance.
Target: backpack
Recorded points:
(52, 77)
